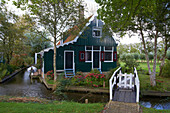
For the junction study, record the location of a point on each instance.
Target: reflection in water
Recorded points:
(21, 85)
(156, 102)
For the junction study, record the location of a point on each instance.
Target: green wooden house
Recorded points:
(88, 49)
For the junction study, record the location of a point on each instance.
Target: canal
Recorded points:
(20, 85)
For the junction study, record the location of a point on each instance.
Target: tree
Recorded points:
(37, 42)
(55, 16)
(147, 18)
(12, 29)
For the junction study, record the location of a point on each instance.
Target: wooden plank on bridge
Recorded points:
(127, 96)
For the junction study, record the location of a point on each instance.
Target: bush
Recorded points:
(96, 71)
(3, 71)
(17, 60)
(50, 75)
(129, 61)
(78, 80)
(142, 56)
(168, 55)
(136, 56)
(111, 72)
(166, 69)
(95, 80)
(28, 61)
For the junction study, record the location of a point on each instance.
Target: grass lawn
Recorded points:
(55, 107)
(152, 110)
(144, 66)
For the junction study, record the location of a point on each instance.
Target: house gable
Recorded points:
(87, 38)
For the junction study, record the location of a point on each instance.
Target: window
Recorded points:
(88, 47)
(108, 56)
(96, 47)
(97, 32)
(108, 48)
(88, 56)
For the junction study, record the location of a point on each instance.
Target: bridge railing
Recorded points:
(112, 83)
(137, 83)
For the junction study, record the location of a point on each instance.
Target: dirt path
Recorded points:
(121, 107)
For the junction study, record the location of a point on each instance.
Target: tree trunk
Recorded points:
(163, 57)
(146, 53)
(152, 76)
(54, 62)
(55, 50)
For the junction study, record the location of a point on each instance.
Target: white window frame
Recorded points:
(91, 54)
(105, 51)
(97, 28)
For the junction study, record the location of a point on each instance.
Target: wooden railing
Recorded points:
(113, 83)
(137, 84)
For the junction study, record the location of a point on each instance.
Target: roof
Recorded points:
(73, 34)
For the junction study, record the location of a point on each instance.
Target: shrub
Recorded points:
(96, 71)
(28, 61)
(50, 75)
(78, 80)
(166, 69)
(129, 61)
(17, 60)
(95, 80)
(168, 55)
(136, 56)
(111, 72)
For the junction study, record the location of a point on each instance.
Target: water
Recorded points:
(156, 102)
(21, 85)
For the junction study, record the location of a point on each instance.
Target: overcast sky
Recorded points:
(91, 8)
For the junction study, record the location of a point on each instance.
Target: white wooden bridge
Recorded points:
(124, 87)
(124, 93)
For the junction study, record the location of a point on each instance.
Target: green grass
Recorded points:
(152, 110)
(55, 107)
(144, 66)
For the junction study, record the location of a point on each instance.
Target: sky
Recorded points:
(91, 8)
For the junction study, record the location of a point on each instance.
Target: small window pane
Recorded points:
(108, 56)
(88, 55)
(96, 33)
(96, 47)
(88, 47)
(108, 48)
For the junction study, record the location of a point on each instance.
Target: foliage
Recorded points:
(28, 61)
(168, 55)
(50, 75)
(136, 56)
(153, 110)
(95, 80)
(96, 71)
(142, 56)
(166, 69)
(111, 72)
(3, 72)
(17, 60)
(150, 56)
(148, 19)
(79, 79)
(12, 30)
(129, 60)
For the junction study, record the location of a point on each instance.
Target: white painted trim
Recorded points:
(65, 58)
(35, 58)
(92, 57)
(43, 69)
